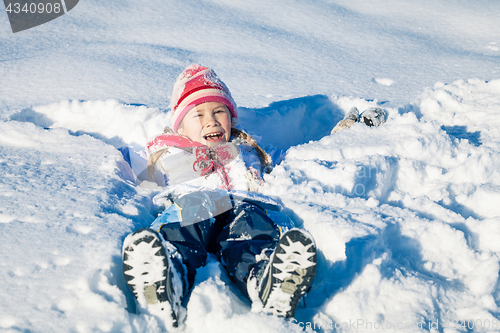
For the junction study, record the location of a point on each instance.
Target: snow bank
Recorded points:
(113, 122)
(405, 216)
(64, 210)
(405, 213)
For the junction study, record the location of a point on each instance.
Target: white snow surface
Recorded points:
(406, 216)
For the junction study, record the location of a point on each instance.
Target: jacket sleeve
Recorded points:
(137, 162)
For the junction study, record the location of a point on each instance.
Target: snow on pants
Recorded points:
(235, 238)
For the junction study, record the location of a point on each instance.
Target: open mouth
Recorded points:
(216, 136)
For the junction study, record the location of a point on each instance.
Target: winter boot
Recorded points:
(277, 287)
(373, 117)
(151, 276)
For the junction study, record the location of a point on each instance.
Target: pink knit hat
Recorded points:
(197, 85)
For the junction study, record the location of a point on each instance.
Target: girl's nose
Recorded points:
(211, 121)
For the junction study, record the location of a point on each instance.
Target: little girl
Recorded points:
(208, 167)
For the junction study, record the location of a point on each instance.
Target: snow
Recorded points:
(405, 215)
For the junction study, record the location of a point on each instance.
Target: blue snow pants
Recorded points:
(235, 237)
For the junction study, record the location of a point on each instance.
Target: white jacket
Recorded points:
(243, 172)
(178, 166)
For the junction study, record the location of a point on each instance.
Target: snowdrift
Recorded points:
(405, 216)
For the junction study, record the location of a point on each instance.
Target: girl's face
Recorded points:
(208, 123)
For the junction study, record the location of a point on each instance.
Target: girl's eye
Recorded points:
(219, 111)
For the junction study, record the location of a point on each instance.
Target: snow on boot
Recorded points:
(277, 287)
(373, 117)
(151, 276)
(351, 117)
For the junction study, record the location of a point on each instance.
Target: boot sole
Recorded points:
(293, 267)
(148, 272)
